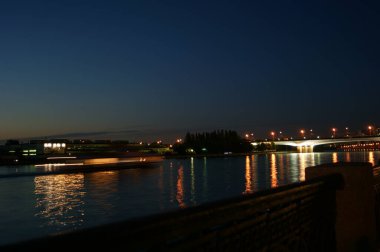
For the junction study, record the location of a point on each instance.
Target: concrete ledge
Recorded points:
(356, 225)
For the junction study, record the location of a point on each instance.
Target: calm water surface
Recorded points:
(35, 206)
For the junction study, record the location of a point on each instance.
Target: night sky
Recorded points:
(157, 69)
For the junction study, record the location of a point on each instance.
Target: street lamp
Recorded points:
(248, 136)
(334, 132)
(370, 130)
(272, 134)
(347, 132)
(302, 133)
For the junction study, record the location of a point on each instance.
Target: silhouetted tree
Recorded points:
(218, 141)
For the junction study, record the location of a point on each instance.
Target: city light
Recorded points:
(347, 132)
(248, 135)
(280, 135)
(55, 145)
(302, 133)
(272, 134)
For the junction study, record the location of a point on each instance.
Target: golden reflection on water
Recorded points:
(303, 164)
(335, 157)
(371, 157)
(105, 179)
(292, 163)
(59, 199)
(101, 161)
(248, 178)
(348, 157)
(273, 171)
(106, 187)
(180, 189)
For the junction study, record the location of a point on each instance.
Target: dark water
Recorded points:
(35, 206)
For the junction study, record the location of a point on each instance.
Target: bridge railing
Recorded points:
(297, 217)
(376, 186)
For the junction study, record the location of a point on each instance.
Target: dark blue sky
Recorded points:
(156, 69)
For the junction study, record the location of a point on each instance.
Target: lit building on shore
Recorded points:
(35, 148)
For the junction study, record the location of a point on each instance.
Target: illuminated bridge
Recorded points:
(308, 144)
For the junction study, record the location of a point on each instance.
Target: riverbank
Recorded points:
(218, 155)
(98, 158)
(65, 169)
(87, 165)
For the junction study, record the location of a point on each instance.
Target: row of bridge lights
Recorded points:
(333, 131)
(302, 133)
(347, 132)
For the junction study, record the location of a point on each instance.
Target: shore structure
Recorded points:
(70, 152)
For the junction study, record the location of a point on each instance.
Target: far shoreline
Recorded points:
(218, 155)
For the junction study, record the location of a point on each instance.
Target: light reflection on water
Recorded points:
(59, 199)
(180, 189)
(192, 175)
(371, 157)
(273, 170)
(335, 157)
(348, 157)
(248, 176)
(65, 202)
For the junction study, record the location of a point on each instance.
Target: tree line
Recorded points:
(215, 142)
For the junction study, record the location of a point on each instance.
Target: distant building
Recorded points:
(54, 147)
(32, 149)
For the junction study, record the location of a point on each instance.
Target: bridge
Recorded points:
(308, 144)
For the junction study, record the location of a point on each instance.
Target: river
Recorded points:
(36, 206)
